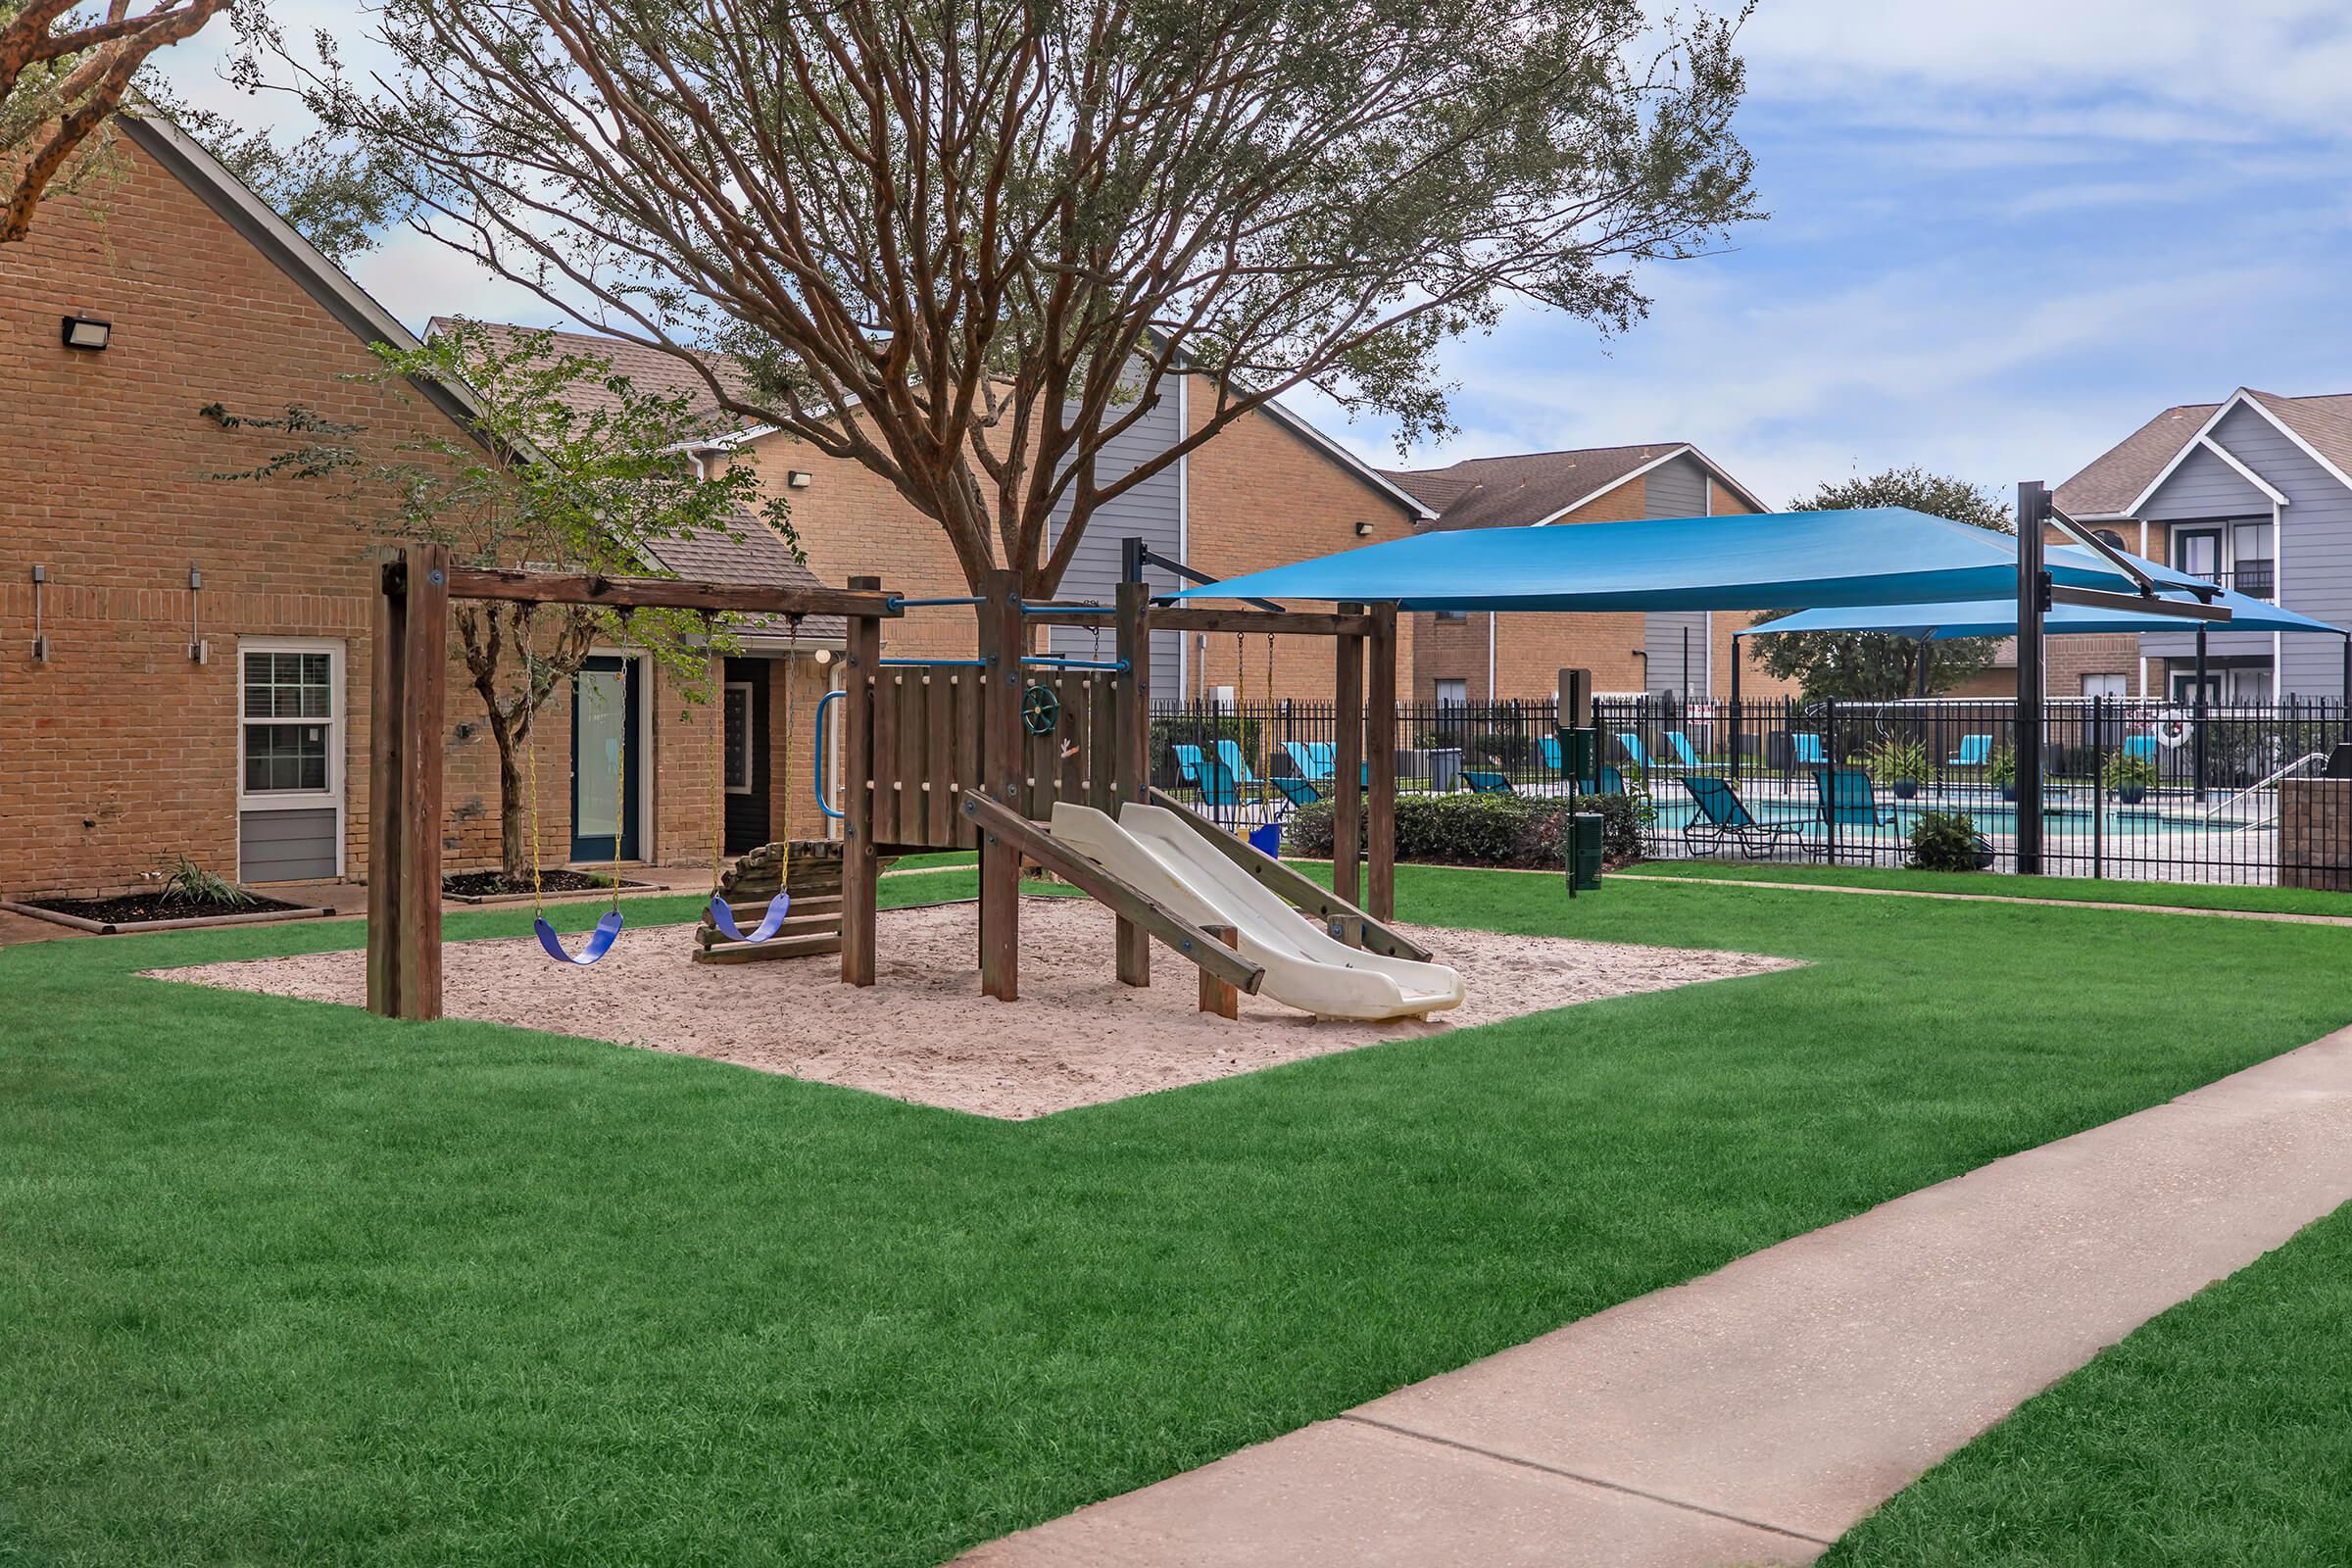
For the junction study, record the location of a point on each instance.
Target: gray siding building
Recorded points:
(2256, 493)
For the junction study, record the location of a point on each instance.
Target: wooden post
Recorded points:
(1347, 772)
(1004, 753)
(404, 869)
(1380, 738)
(1131, 762)
(1219, 996)
(861, 864)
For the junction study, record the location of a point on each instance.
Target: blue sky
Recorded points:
(2003, 234)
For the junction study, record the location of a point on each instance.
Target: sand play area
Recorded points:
(924, 1033)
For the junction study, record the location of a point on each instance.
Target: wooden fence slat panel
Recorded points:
(971, 691)
(939, 768)
(886, 755)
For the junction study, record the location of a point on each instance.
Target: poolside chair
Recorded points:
(1974, 751)
(1311, 764)
(1188, 763)
(1723, 815)
(1485, 781)
(1296, 790)
(1807, 749)
(1218, 792)
(1612, 782)
(1548, 750)
(1230, 754)
(1682, 752)
(1634, 752)
(1846, 798)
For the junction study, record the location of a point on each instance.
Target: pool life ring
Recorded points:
(2171, 727)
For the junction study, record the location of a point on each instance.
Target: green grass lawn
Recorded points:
(2180, 894)
(2215, 1434)
(284, 1283)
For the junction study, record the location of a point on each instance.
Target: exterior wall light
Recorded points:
(1363, 530)
(87, 332)
(798, 479)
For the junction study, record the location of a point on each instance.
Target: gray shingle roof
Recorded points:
(2115, 479)
(650, 369)
(1516, 491)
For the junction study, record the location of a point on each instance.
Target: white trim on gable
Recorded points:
(1714, 471)
(2268, 490)
(2203, 439)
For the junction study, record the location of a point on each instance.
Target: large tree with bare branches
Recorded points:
(64, 71)
(967, 242)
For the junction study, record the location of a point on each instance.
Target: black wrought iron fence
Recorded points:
(2129, 789)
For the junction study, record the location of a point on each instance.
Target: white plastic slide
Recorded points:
(1163, 857)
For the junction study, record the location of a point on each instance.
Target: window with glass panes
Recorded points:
(289, 712)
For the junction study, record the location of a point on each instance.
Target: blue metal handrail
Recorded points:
(898, 602)
(823, 804)
(1056, 663)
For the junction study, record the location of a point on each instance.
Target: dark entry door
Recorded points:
(744, 759)
(604, 770)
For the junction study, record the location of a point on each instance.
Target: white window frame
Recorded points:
(750, 732)
(339, 686)
(2121, 682)
(1439, 698)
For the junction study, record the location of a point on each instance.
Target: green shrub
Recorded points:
(183, 881)
(2001, 768)
(1946, 841)
(1508, 830)
(1897, 760)
(2126, 771)
(1513, 749)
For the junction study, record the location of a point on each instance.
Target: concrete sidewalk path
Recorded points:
(1754, 1415)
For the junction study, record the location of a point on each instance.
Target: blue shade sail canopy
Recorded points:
(1768, 561)
(1997, 618)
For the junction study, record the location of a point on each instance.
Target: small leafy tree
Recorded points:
(575, 469)
(1878, 666)
(63, 75)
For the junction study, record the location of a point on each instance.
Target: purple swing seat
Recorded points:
(600, 941)
(769, 923)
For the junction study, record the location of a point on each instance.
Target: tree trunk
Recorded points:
(516, 853)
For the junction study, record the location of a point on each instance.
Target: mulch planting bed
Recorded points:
(140, 909)
(496, 884)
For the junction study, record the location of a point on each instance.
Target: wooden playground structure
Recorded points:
(936, 754)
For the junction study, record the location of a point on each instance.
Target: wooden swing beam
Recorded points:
(409, 685)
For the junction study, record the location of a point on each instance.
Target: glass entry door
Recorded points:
(604, 771)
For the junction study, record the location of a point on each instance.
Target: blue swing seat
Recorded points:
(600, 940)
(770, 924)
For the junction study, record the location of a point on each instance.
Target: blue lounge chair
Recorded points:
(1724, 816)
(1808, 750)
(1230, 754)
(1974, 751)
(1485, 781)
(1634, 752)
(1682, 752)
(1548, 750)
(1312, 764)
(1296, 790)
(1188, 763)
(1847, 799)
(1612, 782)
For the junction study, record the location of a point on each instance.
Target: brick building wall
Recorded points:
(120, 750)
(1258, 495)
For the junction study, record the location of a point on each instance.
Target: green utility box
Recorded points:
(1584, 852)
(1580, 755)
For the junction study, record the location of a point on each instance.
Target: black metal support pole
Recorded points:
(1739, 654)
(2033, 588)
(2199, 710)
(2347, 692)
